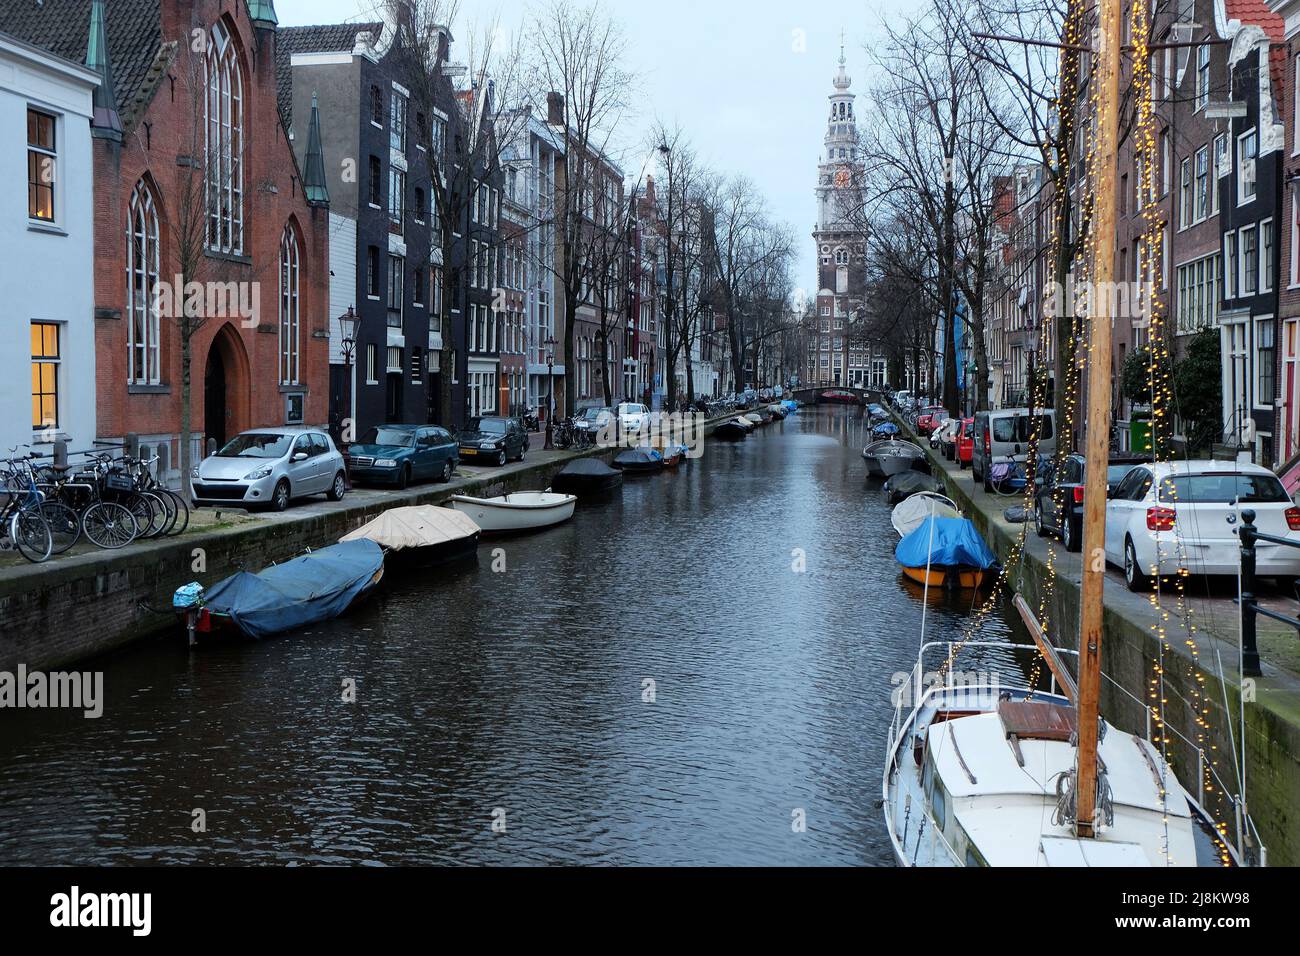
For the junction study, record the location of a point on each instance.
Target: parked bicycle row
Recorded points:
(107, 501)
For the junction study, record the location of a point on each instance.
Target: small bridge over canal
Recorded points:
(837, 395)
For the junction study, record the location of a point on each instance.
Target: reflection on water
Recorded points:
(525, 696)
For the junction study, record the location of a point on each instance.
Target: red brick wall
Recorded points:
(164, 134)
(1288, 298)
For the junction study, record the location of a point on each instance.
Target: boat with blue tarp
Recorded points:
(946, 552)
(318, 586)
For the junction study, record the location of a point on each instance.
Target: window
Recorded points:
(418, 291)
(1265, 362)
(224, 144)
(1295, 107)
(372, 272)
(1197, 303)
(45, 375)
(397, 123)
(1266, 259)
(1185, 195)
(376, 181)
(1230, 265)
(289, 326)
(141, 280)
(1202, 75)
(396, 197)
(1247, 148)
(1222, 158)
(1249, 252)
(395, 266)
(420, 214)
(376, 106)
(1202, 183)
(372, 364)
(42, 161)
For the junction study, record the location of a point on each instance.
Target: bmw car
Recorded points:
(268, 468)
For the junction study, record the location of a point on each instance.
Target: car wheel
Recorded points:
(280, 497)
(404, 478)
(1071, 537)
(1038, 522)
(1133, 576)
(501, 458)
(446, 472)
(339, 488)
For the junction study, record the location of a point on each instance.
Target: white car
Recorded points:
(1184, 516)
(633, 417)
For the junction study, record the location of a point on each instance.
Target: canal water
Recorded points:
(697, 671)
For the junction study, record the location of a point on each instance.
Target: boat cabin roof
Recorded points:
(975, 756)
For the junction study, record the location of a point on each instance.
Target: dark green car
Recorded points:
(402, 454)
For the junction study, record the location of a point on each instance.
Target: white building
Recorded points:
(47, 374)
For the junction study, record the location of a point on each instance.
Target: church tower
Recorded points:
(841, 247)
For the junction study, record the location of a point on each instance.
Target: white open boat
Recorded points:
(976, 775)
(521, 511)
(891, 457)
(911, 513)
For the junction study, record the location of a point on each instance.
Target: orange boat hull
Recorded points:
(968, 579)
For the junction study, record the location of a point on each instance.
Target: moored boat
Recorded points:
(639, 461)
(907, 483)
(318, 586)
(421, 537)
(945, 552)
(756, 419)
(911, 513)
(730, 431)
(890, 457)
(586, 476)
(972, 778)
(520, 511)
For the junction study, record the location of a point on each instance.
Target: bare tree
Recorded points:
(577, 78)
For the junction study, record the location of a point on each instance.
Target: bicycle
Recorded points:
(22, 525)
(78, 510)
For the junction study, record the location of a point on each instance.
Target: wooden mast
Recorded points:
(1109, 40)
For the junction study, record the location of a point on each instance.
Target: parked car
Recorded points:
(1165, 518)
(633, 417)
(1058, 501)
(1004, 435)
(945, 436)
(965, 442)
(269, 467)
(493, 441)
(930, 417)
(594, 420)
(400, 454)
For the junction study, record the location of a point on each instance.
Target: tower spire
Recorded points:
(313, 178)
(105, 122)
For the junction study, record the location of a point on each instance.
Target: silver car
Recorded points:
(268, 467)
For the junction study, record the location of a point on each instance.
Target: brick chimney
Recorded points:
(555, 109)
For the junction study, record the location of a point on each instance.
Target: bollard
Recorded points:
(131, 445)
(61, 455)
(1249, 616)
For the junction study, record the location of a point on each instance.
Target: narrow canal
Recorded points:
(521, 696)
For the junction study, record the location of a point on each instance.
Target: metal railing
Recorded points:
(1250, 606)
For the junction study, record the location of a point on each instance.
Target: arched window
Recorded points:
(289, 327)
(141, 280)
(224, 143)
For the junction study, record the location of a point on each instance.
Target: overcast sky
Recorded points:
(746, 79)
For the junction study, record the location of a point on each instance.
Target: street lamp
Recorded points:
(550, 344)
(349, 325)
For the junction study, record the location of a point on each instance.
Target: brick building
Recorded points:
(195, 177)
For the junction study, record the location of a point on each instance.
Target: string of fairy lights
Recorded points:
(1150, 266)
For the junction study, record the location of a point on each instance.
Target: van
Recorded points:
(1004, 435)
